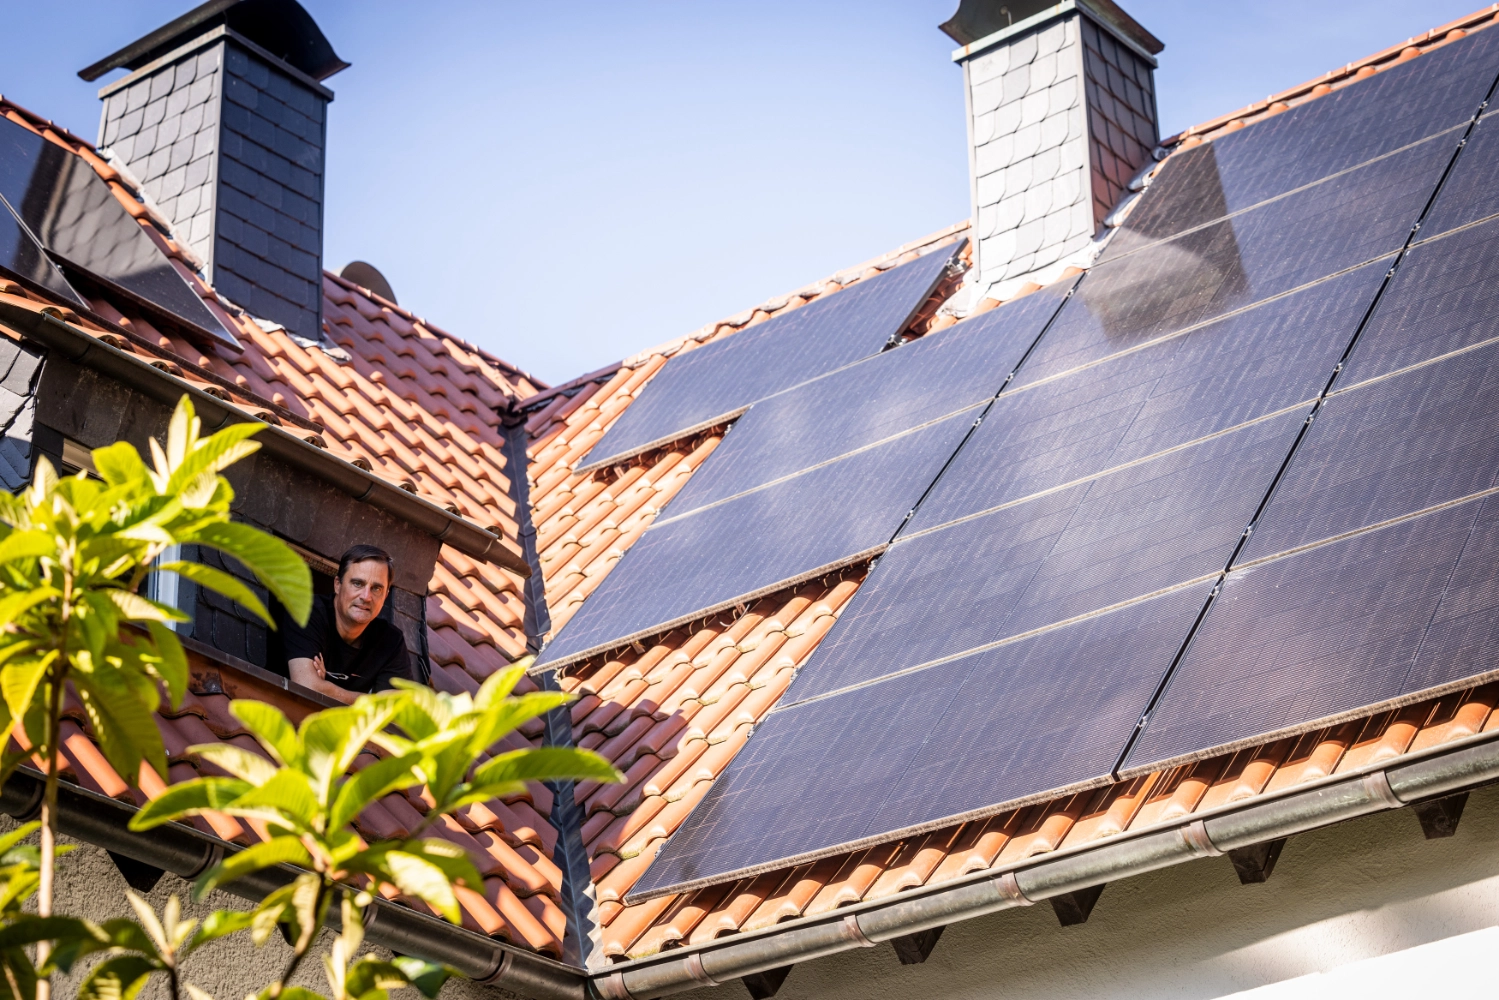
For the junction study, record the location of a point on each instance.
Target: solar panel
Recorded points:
(72, 212)
(1227, 265)
(22, 257)
(685, 567)
(1333, 632)
(1468, 193)
(969, 738)
(1387, 448)
(712, 383)
(866, 402)
(1444, 297)
(1137, 403)
(1070, 552)
(1400, 105)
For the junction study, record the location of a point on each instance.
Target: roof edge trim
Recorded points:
(1435, 771)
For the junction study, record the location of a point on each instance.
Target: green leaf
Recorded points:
(427, 977)
(30, 929)
(119, 978)
(189, 799)
(271, 727)
(277, 567)
(371, 783)
(501, 683)
(17, 966)
(369, 974)
(220, 923)
(119, 464)
(27, 545)
(122, 723)
(237, 761)
(288, 792)
(546, 764)
(136, 608)
(17, 835)
(283, 850)
(15, 605)
(217, 453)
(19, 680)
(172, 661)
(419, 877)
(217, 580)
(122, 933)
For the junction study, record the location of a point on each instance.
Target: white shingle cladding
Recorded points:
(1030, 152)
(1029, 122)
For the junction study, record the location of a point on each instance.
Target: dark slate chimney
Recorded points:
(222, 121)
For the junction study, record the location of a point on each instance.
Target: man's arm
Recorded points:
(309, 674)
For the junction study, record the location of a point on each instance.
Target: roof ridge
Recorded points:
(842, 277)
(432, 328)
(1337, 78)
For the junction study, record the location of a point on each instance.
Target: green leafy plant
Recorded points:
(74, 552)
(308, 799)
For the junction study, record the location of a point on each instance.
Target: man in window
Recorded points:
(347, 649)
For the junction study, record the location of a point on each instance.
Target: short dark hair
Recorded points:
(366, 553)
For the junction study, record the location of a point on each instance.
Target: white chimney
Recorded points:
(1061, 115)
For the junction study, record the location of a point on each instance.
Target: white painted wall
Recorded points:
(1367, 909)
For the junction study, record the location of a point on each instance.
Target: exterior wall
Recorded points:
(229, 146)
(89, 885)
(1060, 118)
(1371, 887)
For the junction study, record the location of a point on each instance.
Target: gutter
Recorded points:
(1443, 770)
(82, 348)
(99, 820)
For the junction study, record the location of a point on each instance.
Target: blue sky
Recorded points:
(566, 184)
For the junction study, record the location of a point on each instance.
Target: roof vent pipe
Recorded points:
(1061, 115)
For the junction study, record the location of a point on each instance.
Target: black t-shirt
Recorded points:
(380, 656)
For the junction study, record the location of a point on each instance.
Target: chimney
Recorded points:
(1061, 116)
(222, 121)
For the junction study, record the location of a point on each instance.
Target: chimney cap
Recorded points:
(281, 27)
(976, 19)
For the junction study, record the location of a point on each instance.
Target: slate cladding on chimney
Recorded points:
(1120, 88)
(229, 144)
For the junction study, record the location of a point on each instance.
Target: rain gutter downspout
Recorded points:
(104, 822)
(1455, 767)
(79, 347)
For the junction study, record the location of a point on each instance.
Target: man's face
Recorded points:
(360, 594)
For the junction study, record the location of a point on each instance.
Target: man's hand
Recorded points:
(310, 674)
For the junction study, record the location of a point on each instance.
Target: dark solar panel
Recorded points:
(1340, 629)
(1469, 192)
(684, 567)
(1138, 403)
(1070, 552)
(1443, 297)
(69, 208)
(23, 257)
(710, 384)
(970, 737)
(1230, 264)
(1401, 104)
(1387, 448)
(887, 394)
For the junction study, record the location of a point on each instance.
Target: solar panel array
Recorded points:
(57, 200)
(717, 381)
(1243, 484)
